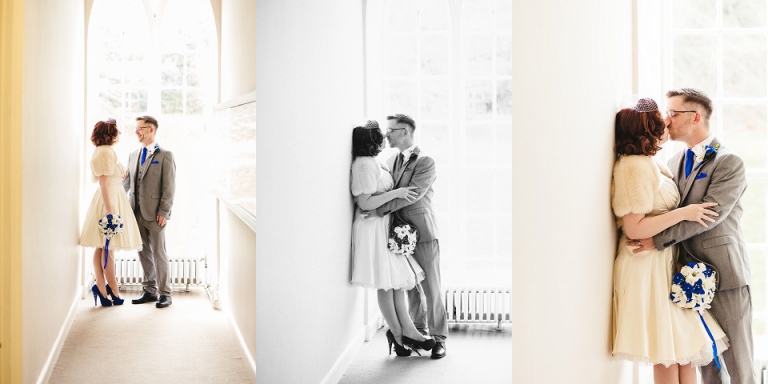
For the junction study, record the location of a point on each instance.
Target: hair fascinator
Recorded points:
(646, 105)
(371, 124)
(110, 121)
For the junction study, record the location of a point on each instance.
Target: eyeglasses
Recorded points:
(140, 128)
(390, 130)
(671, 113)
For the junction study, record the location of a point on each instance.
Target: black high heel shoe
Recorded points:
(104, 301)
(115, 300)
(399, 349)
(426, 345)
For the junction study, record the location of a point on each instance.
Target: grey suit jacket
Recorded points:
(419, 171)
(720, 179)
(157, 183)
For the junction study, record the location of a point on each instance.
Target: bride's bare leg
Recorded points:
(687, 374)
(387, 307)
(109, 273)
(401, 307)
(663, 375)
(98, 272)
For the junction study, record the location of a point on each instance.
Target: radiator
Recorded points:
(478, 305)
(183, 272)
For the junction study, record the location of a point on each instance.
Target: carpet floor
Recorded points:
(188, 342)
(475, 354)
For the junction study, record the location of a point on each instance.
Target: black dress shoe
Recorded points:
(145, 297)
(438, 351)
(165, 300)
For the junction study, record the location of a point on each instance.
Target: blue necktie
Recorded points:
(688, 162)
(144, 156)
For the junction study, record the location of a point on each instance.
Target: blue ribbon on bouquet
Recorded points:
(110, 226)
(714, 345)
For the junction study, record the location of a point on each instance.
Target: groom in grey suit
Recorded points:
(150, 182)
(709, 172)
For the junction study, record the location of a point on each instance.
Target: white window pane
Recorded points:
(480, 144)
(745, 131)
(477, 15)
(193, 72)
(402, 96)
(504, 241)
(194, 103)
(136, 102)
(436, 140)
(504, 145)
(479, 100)
(478, 55)
(403, 15)
(694, 63)
(402, 56)
(478, 189)
(744, 66)
(435, 99)
(110, 103)
(172, 101)
(694, 13)
(743, 13)
(504, 192)
(435, 55)
(173, 70)
(480, 232)
(435, 15)
(504, 55)
(504, 98)
(753, 221)
(503, 15)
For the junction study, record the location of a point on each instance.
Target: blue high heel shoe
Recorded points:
(104, 301)
(115, 300)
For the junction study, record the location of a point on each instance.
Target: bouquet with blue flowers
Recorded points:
(694, 288)
(110, 226)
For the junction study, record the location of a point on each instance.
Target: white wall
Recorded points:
(572, 65)
(238, 41)
(309, 95)
(52, 126)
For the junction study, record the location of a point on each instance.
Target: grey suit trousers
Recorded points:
(154, 258)
(428, 255)
(732, 308)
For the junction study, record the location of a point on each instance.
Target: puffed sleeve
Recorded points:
(636, 179)
(365, 175)
(103, 161)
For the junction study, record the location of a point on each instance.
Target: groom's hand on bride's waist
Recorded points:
(642, 244)
(369, 214)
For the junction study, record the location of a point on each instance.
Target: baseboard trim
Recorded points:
(243, 346)
(346, 358)
(53, 356)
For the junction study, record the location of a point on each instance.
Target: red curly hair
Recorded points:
(638, 133)
(104, 132)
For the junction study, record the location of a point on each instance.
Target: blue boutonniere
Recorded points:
(709, 152)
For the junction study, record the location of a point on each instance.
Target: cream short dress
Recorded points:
(104, 162)
(647, 326)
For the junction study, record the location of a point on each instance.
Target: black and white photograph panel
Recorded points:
(383, 204)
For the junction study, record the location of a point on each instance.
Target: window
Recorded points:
(159, 58)
(448, 65)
